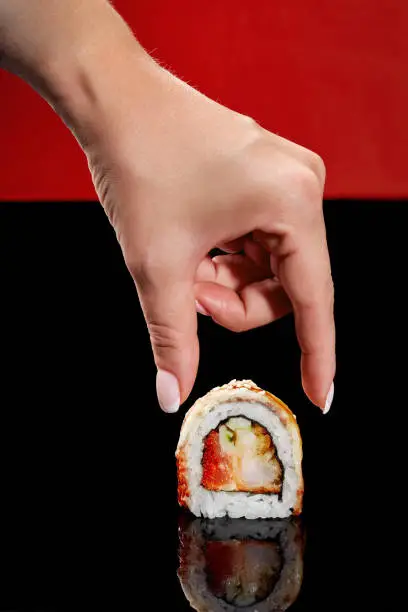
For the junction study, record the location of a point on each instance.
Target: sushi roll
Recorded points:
(231, 564)
(240, 455)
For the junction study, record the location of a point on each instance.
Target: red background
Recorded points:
(329, 74)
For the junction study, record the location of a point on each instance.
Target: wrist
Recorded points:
(86, 89)
(79, 56)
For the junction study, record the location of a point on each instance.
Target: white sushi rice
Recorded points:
(238, 504)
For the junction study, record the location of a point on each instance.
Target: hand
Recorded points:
(179, 174)
(183, 175)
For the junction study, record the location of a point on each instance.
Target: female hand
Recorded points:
(178, 174)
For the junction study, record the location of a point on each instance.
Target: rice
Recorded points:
(239, 399)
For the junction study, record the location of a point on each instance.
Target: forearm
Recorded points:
(72, 52)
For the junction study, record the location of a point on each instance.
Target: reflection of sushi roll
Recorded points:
(230, 564)
(240, 455)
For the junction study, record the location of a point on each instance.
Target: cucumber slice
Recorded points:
(227, 439)
(239, 423)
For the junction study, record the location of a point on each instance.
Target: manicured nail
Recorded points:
(201, 309)
(168, 392)
(329, 399)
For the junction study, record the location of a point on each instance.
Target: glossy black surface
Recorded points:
(88, 511)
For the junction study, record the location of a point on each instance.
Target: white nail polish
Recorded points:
(168, 392)
(329, 399)
(201, 309)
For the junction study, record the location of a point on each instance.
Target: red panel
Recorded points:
(329, 74)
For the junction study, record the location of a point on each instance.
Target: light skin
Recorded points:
(179, 174)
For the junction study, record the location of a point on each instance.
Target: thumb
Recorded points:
(167, 300)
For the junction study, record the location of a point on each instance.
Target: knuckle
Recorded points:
(313, 302)
(164, 337)
(304, 192)
(146, 267)
(237, 328)
(234, 324)
(250, 122)
(308, 303)
(316, 164)
(308, 185)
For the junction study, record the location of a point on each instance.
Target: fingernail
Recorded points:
(329, 399)
(201, 309)
(168, 392)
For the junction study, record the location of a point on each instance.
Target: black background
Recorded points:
(88, 490)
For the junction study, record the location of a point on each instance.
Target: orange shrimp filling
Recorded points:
(239, 455)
